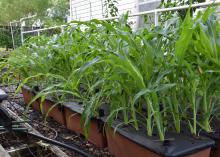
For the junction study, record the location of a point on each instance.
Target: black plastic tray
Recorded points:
(175, 145)
(73, 106)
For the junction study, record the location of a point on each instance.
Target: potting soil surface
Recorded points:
(52, 129)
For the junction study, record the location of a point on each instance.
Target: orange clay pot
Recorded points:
(73, 123)
(125, 141)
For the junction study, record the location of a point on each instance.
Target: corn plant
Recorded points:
(164, 78)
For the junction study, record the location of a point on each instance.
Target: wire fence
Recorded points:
(15, 28)
(137, 12)
(90, 9)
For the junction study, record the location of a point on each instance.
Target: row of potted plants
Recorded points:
(67, 114)
(154, 85)
(127, 142)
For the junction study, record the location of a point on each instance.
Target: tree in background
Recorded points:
(57, 13)
(174, 3)
(111, 8)
(51, 10)
(5, 38)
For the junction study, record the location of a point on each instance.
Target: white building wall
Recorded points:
(95, 9)
(84, 10)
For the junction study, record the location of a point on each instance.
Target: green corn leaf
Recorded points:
(185, 38)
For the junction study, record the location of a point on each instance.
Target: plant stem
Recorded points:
(149, 127)
(194, 86)
(205, 110)
(176, 114)
(157, 118)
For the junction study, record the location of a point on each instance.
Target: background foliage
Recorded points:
(15, 9)
(49, 12)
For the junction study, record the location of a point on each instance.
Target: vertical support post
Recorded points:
(90, 6)
(22, 35)
(156, 18)
(138, 17)
(76, 12)
(22, 32)
(71, 10)
(62, 29)
(102, 8)
(38, 33)
(12, 35)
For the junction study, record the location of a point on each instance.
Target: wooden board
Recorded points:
(54, 149)
(3, 152)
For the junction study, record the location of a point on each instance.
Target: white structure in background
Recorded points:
(145, 5)
(85, 10)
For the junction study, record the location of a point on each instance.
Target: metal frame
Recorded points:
(44, 29)
(156, 13)
(12, 32)
(71, 10)
(21, 20)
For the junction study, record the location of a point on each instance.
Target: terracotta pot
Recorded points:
(28, 95)
(56, 112)
(73, 123)
(127, 142)
(120, 146)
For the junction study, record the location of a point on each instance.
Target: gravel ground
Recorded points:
(52, 129)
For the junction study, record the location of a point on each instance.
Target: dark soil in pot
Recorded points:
(56, 131)
(127, 142)
(73, 116)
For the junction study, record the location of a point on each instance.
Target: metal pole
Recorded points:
(29, 17)
(137, 9)
(90, 6)
(102, 8)
(21, 20)
(71, 12)
(76, 12)
(22, 35)
(12, 36)
(62, 29)
(156, 18)
(43, 29)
